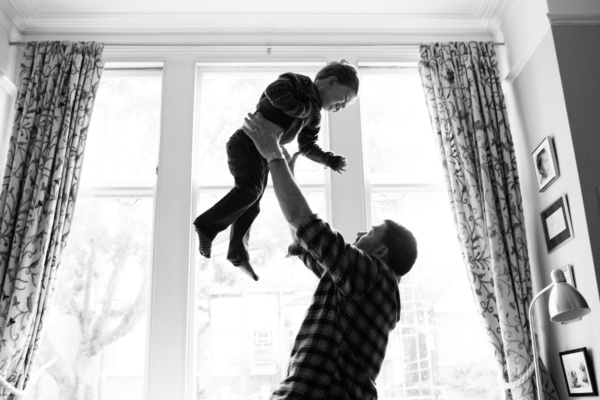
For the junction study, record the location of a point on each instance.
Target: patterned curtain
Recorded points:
(57, 89)
(468, 116)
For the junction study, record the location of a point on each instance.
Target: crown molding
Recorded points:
(485, 9)
(574, 19)
(517, 67)
(20, 12)
(304, 53)
(494, 13)
(231, 23)
(10, 27)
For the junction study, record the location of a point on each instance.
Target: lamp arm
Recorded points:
(538, 380)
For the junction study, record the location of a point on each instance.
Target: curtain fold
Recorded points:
(468, 116)
(57, 88)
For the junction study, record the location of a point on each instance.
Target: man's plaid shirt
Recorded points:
(342, 342)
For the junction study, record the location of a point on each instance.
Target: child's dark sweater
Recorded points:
(293, 103)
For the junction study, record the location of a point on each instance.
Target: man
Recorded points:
(340, 347)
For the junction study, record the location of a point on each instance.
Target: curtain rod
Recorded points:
(20, 43)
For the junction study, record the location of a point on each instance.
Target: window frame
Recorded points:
(170, 338)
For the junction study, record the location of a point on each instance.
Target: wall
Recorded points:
(545, 100)
(7, 88)
(578, 58)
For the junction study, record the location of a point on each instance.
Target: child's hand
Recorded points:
(290, 160)
(337, 163)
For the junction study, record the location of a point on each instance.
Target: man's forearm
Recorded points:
(291, 200)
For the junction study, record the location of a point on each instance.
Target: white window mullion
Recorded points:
(168, 340)
(348, 202)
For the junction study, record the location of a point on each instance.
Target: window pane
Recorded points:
(427, 358)
(225, 99)
(428, 355)
(95, 339)
(396, 130)
(244, 329)
(95, 333)
(122, 147)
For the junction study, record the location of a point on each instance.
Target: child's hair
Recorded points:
(345, 73)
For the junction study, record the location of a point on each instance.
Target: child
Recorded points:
(293, 102)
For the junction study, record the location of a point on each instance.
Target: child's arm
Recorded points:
(307, 145)
(290, 94)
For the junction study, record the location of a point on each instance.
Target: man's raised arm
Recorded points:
(265, 136)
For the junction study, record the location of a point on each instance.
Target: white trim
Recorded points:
(517, 67)
(255, 29)
(24, 8)
(19, 15)
(239, 22)
(494, 13)
(263, 53)
(574, 19)
(7, 22)
(7, 84)
(169, 313)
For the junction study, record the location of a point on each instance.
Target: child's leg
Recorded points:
(248, 168)
(240, 229)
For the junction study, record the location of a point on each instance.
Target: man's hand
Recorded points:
(265, 136)
(263, 133)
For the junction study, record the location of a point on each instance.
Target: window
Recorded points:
(95, 340)
(97, 333)
(428, 357)
(244, 330)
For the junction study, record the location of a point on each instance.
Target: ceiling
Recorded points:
(339, 22)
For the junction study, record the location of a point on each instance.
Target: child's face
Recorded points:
(336, 97)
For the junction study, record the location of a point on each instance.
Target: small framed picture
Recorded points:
(556, 221)
(544, 162)
(569, 275)
(579, 373)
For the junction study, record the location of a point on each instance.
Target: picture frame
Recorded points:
(556, 223)
(578, 372)
(569, 274)
(545, 163)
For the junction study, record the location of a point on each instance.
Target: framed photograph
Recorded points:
(579, 373)
(556, 221)
(544, 162)
(569, 275)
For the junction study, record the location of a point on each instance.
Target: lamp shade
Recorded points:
(565, 303)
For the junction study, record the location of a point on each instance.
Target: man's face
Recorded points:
(371, 240)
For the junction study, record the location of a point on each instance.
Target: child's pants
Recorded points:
(240, 207)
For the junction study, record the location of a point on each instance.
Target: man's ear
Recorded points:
(382, 252)
(331, 81)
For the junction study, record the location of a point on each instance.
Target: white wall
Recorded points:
(8, 55)
(542, 100)
(537, 109)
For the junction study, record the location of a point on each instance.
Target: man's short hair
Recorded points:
(345, 73)
(402, 247)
